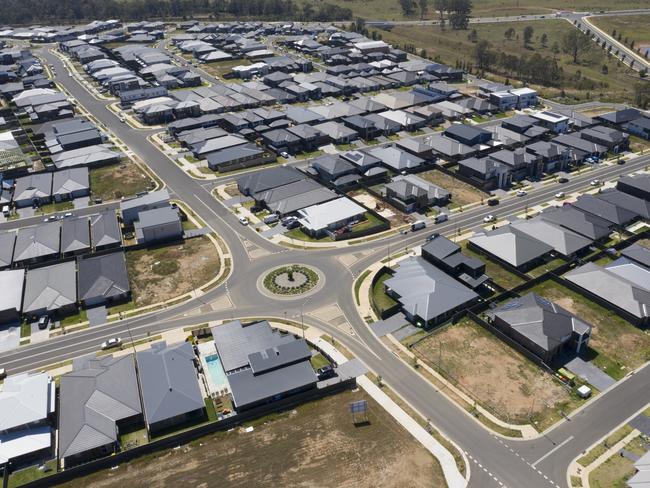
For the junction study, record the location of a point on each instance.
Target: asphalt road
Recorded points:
(495, 462)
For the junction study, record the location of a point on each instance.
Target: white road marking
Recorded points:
(551, 451)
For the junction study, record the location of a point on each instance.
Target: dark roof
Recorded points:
(628, 202)
(604, 209)
(583, 223)
(232, 153)
(169, 382)
(464, 131)
(637, 253)
(543, 322)
(103, 276)
(270, 178)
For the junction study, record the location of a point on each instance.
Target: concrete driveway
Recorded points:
(9, 338)
(97, 315)
(590, 373)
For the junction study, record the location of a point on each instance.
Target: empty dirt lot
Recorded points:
(496, 376)
(461, 193)
(315, 445)
(164, 272)
(118, 180)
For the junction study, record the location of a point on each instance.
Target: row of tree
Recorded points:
(15, 12)
(456, 12)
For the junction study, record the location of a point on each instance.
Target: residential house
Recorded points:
(330, 217)
(158, 224)
(71, 183)
(75, 236)
(512, 247)
(33, 190)
(555, 122)
(103, 279)
(12, 282)
(564, 241)
(411, 193)
(395, 158)
(486, 173)
(239, 157)
(98, 400)
(541, 326)
(637, 185)
(448, 256)
(426, 295)
(37, 243)
(171, 396)
(583, 223)
(105, 231)
(131, 208)
(51, 289)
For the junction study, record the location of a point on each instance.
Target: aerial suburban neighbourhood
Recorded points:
(342, 244)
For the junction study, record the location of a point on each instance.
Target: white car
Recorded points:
(594, 182)
(560, 194)
(285, 155)
(67, 214)
(243, 220)
(521, 193)
(113, 342)
(489, 218)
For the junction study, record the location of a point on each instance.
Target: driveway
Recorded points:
(273, 231)
(96, 315)
(590, 373)
(391, 324)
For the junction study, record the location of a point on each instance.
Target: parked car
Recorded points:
(493, 201)
(113, 342)
(560, 194)
(43, 322)
(284, 154)
(521, 193)
(326, 372)
(3, 373)
(563, 180)
(489, 218)
(271, 219)
(243, 220)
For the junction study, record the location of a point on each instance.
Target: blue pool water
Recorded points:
(215, 370)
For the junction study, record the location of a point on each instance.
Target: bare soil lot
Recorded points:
(118, 180)
(313, 446)
(617, 345)
(389, 212)
(461, 192)
(161, 273)
(494, 374)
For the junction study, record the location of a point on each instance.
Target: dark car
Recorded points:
(43, 322)
(493, 201)
(563, 180)
(326, 372)
(432, 236)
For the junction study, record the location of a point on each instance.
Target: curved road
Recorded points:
(495, 461)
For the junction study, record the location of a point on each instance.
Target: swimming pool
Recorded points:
(216, 372)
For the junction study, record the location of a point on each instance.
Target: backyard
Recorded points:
(118, 180)
(617, 345)
(164, 272)
(303, 447)
(495, 375)
(586, 79)
(502, 277)
(461, 193)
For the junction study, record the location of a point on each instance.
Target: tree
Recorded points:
(604, 70)
(632, 44)
(460, 10)
(483, 55)
(473, 36)
(509, 33)
(614, 33)
(642, 94)
(407, 7)
(555, 48)
(575, 43)
(528, 34)
(441, 6)
(424, 8)
(544, 39)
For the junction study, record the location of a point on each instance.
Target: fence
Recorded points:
(186, 436)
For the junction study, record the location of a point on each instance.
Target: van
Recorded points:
(271, 219)
(5, 210)
(440, 218)
(420, 224)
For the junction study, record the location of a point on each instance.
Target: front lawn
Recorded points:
(378, 298)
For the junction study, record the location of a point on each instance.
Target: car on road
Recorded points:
(3, 373)
(420, 224)
(620, 161)
(493, 201)
(67, 214)
(489, 218)
(521, 193)
(440, 218)
(243, 220)
(46, 219)
(560, 194)
(43, 322)
(111, 343)
(563, 180)
(594, 182)
(431, 237)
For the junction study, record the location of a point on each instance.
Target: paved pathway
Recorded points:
(97, 315)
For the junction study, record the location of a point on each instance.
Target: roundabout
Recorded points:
(291, 281)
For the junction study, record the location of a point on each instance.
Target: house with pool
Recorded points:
(260, 365)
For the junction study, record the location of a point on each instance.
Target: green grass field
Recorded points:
(452, 47)
(390, 10)
(634, 27)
